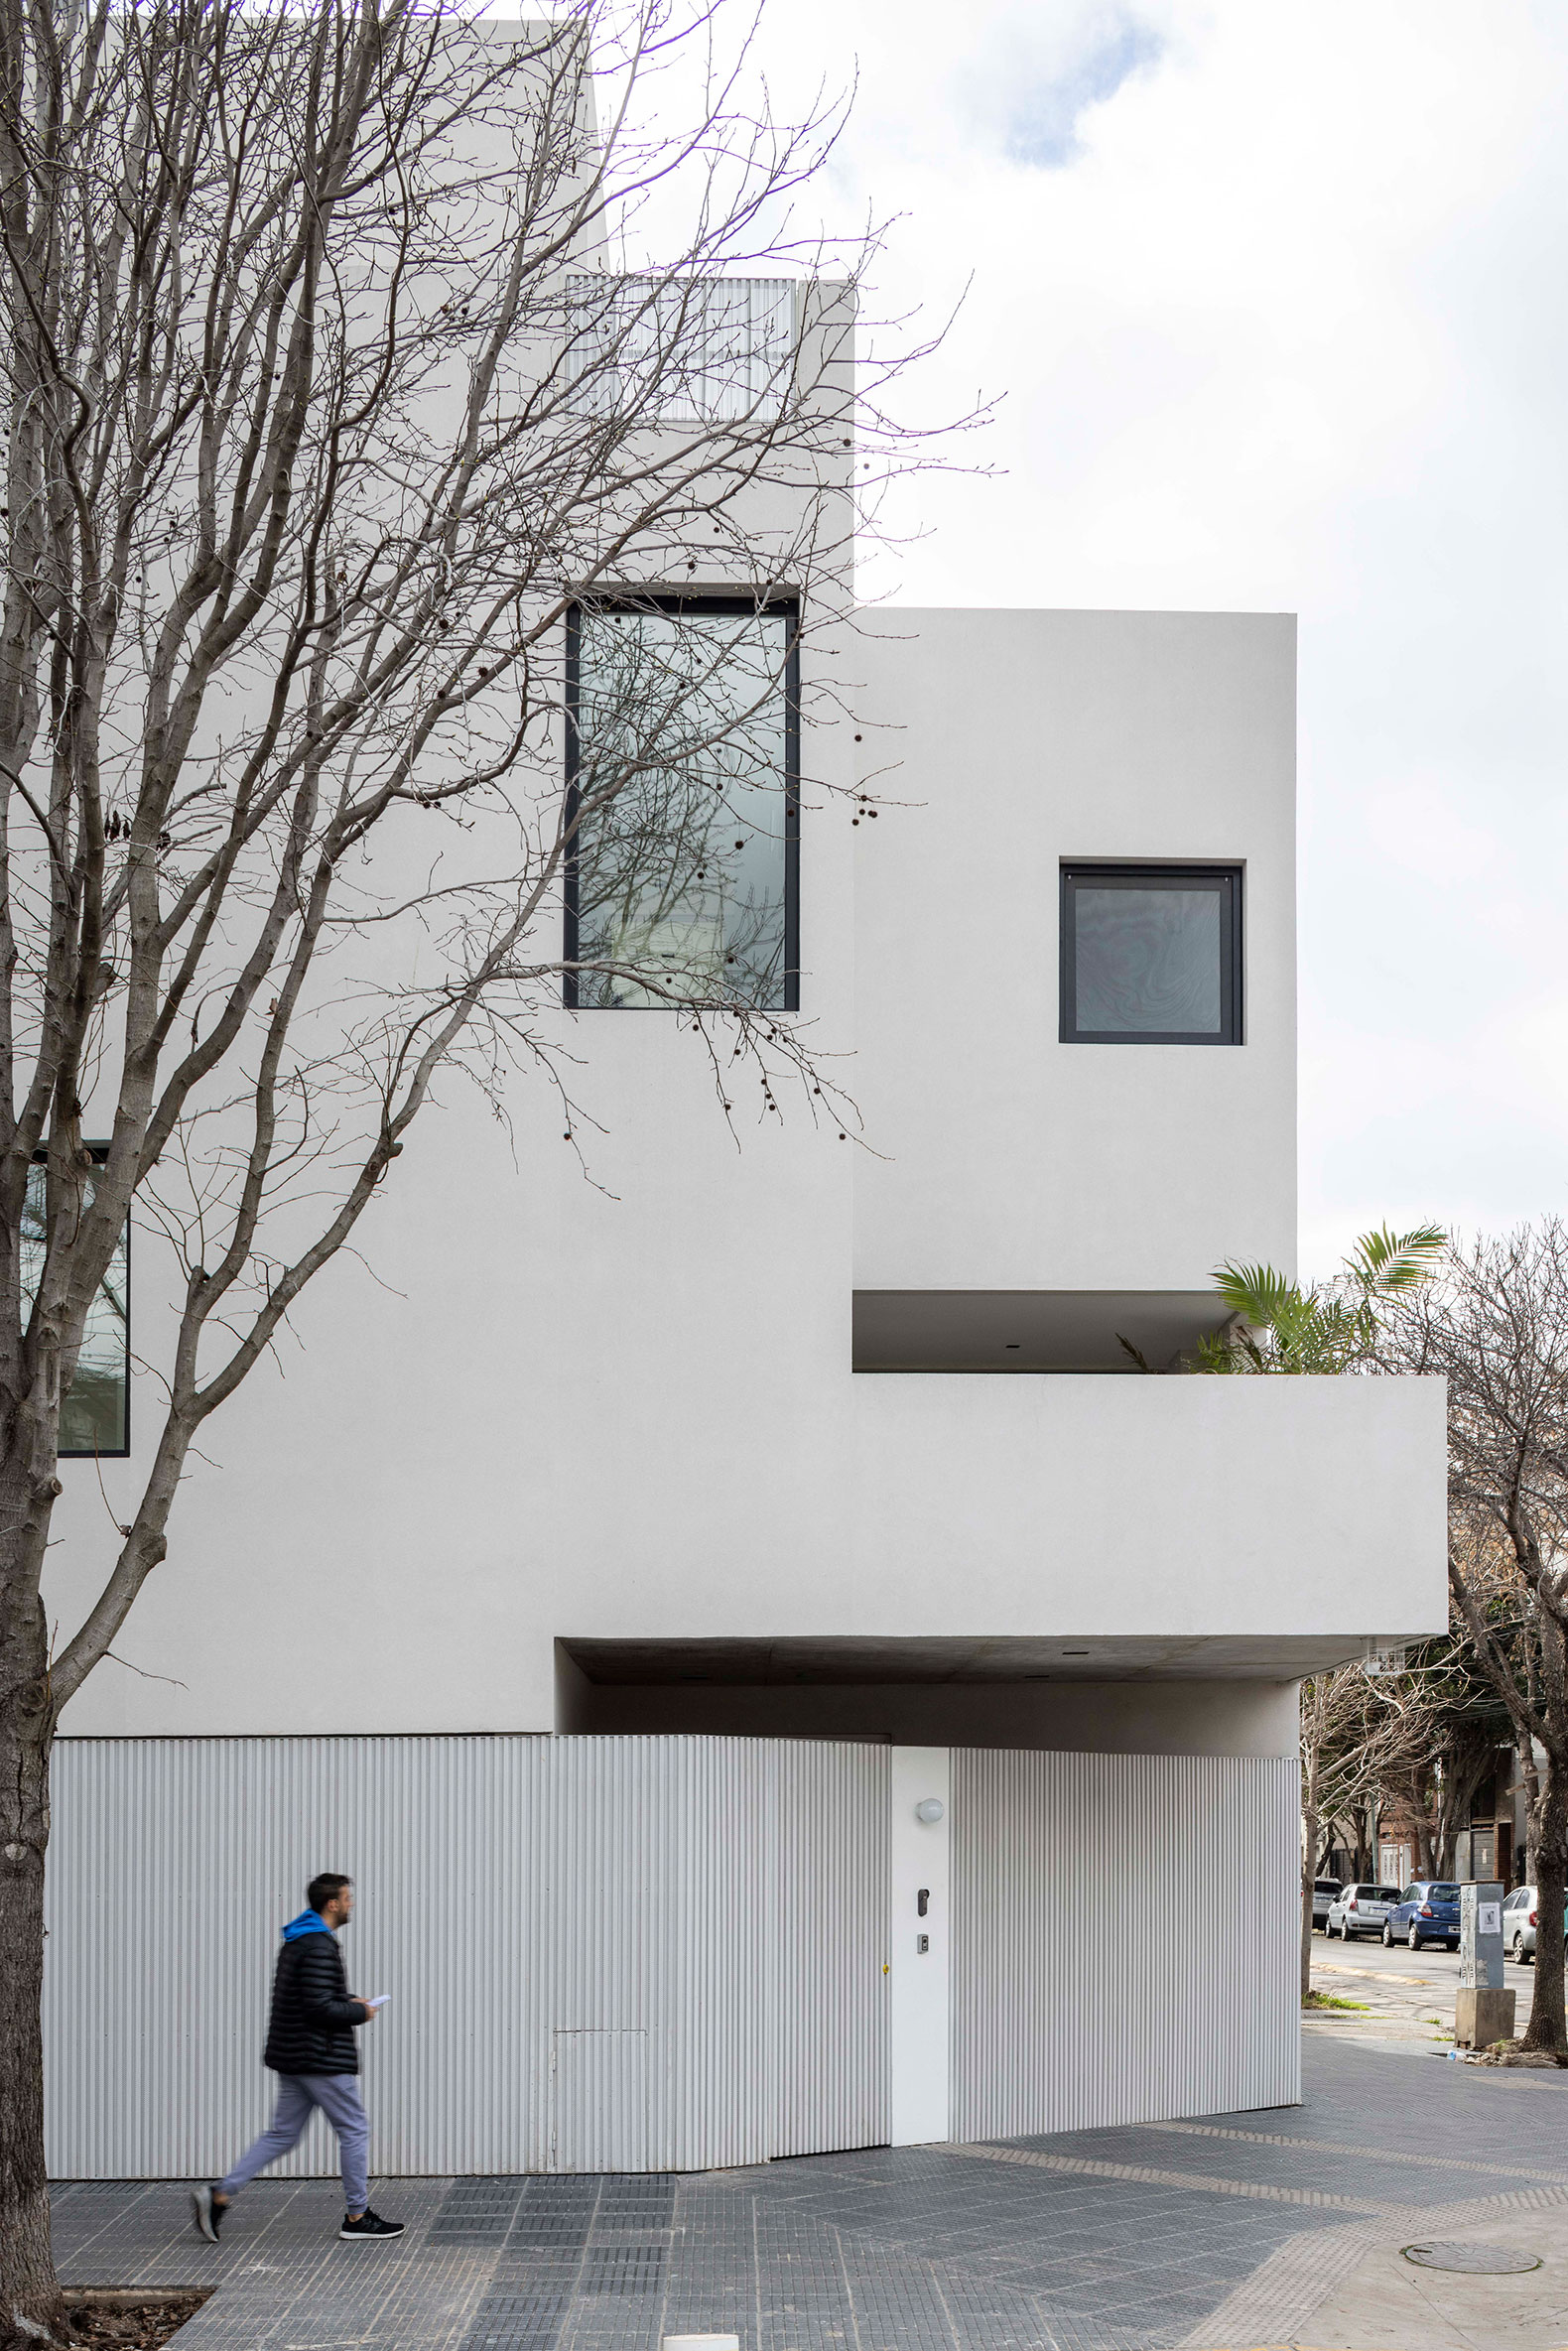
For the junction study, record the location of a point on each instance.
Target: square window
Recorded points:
(94, 1417)
(682, 774)
(1151, 955)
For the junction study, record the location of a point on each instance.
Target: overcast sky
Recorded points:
(1274, 296)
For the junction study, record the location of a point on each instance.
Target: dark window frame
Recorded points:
(1159, 873)
(100, 1154)
(698, 607)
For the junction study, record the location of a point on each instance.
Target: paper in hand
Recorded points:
(379, 2001)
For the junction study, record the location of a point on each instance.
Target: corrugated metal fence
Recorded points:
(1124, 1938)
(662, 1953)
(601, 1951)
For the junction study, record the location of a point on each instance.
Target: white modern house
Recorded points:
(756, 1636)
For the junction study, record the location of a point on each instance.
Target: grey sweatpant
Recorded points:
(338, 2096)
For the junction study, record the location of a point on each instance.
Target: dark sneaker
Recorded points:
(370, 2226)
(208, 2215)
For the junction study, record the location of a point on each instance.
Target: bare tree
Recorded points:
(1335, 1707)
(1419, 1731)
(1495, 1324)
(323, 413)
(1453, 1743)
(1358, 1727)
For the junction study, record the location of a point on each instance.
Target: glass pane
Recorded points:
(1147, 959)
(682, 348)
(92, 1419)
(681, 739)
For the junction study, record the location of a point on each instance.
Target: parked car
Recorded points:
(1359, 1909)
(1518, 1924)
(1322, 1891)
(1426, 1912)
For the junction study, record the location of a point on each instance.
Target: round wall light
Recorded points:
(929, 1810)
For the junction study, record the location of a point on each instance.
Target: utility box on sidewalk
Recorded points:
(1484, 2010)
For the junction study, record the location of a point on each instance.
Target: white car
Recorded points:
(1360, 1909)
(1324, 1890)
(1518, 1924)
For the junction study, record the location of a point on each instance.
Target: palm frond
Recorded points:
(1232, 1349)
(1389, 1262)
(1261, 1294)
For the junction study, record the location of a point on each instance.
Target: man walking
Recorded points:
(310, 2046)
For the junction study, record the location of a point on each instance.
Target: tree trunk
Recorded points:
(1457, 1801)
(1530, 1780)
(29, 2303)
(1546, 2028)
(1309, 1859)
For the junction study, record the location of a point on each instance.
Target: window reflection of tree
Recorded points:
(92, 1415)
(681, 787)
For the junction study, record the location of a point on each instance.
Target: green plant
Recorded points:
(1333, 1326)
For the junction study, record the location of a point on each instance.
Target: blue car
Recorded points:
(1426, 1912)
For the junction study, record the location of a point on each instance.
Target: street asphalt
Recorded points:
(1405, 1994)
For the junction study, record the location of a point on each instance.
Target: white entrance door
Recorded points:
(920, 1942)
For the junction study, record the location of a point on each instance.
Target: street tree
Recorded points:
(325, 424)
(1454, 1738)
(1417, 1730)
(1350, 1735)
(1496, 1326)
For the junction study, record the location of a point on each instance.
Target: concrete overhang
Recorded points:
(859, 1661)
(1029, 1330)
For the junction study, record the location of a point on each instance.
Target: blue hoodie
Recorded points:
(308, 1922)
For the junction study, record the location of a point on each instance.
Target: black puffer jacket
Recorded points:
(311, 2029)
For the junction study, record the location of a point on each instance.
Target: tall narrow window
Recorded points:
(683, 775)
(95, 1415)
(1151, 955)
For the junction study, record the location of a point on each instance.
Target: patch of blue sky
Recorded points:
(1042, 111)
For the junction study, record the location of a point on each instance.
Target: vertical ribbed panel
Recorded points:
(1123, 1940)
(171, 1866)
(653, 1952)
(583, 1939)
(599, 2098)
(651, 1871)
(833, 2088)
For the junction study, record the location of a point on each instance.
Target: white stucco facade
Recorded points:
(668, 1462)
(625, 1410)
(627, 1466)
(1023, 739)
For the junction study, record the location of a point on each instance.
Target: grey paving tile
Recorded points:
(879, 2250)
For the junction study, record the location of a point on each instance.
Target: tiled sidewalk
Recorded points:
(1225, 2232)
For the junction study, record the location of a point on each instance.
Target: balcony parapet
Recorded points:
(1308, 1510)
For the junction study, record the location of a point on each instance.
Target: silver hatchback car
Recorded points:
(1360, 1909)
(1518, 1924)
(1324, 1890)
